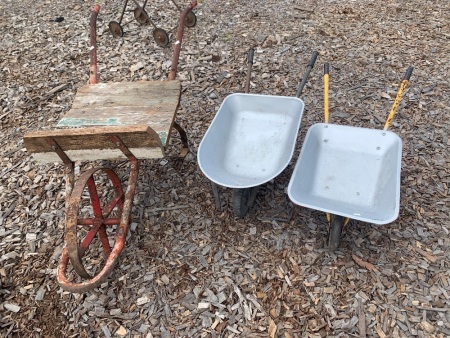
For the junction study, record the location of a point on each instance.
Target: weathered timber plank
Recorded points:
(94, 143)
(151, 103)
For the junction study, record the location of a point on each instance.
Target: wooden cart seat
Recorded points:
(140, 113)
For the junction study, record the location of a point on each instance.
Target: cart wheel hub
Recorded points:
(161, 37)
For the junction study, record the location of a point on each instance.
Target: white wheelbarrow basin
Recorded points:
(349, 171)
(251, 139)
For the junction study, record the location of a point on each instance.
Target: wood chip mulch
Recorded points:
(189, 270)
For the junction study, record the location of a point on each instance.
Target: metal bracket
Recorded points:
(58, 150)
(119, 144)
(184, 140)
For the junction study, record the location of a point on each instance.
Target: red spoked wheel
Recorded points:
(91, 228)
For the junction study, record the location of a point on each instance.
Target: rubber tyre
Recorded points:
(337, 224)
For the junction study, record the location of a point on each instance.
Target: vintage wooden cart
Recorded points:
(107, 121)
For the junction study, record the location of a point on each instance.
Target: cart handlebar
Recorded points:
(326, 82)
(313, 59)
(251, 54)
(93, 75)
(398, 99)
(408, 73)
(326, 68)
(309, 67)
(180, 31)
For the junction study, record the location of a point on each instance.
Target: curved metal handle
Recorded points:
(180, 31)
(309, 67)
(93, 75)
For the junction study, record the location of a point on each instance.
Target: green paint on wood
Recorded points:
(76, 122)
(163, 137)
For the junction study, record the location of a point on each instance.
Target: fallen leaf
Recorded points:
(364, 264)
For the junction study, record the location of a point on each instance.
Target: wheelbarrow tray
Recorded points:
(251, 139)
(349, 171)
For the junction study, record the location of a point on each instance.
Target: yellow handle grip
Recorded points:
(326, 78)
(398, 99)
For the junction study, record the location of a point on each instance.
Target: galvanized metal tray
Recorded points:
(250, 140)
(349, 171)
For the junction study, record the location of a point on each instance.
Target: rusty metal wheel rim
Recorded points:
(116, 29)
(140, 15)
(190, 20)
(161, 37)
(97, 224)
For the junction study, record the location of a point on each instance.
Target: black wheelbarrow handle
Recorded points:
(310, 66)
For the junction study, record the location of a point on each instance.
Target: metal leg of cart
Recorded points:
(243, 200)
(97, 225)
(336, 226)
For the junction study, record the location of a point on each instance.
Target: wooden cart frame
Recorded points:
(108, 121)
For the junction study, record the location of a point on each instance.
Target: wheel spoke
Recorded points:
(88, 239)
(88, 222)
(104, 239)
(94, 197)
(111, 221)
(112, 204)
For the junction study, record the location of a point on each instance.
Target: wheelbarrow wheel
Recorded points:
(90, 230)
(337, 224)
(190, 20)
(140, 15)
(243, 200)
(116, 29)
(161, 37)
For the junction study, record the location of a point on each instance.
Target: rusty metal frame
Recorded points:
(72, 252)
(93, 75)
(180, 31)
(184, 140)
(69, 172)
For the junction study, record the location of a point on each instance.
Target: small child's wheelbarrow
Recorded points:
(251, 140)
(350, 172)
(108, 121)
(160, 35)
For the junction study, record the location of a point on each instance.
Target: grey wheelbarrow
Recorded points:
(350, 172)
(250, 141)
